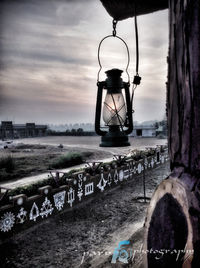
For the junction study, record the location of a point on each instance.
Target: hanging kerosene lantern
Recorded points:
(117, 110)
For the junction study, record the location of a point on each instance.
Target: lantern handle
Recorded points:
(115, 36)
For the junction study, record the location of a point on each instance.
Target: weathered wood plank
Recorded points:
(123, 9)
(183, 99)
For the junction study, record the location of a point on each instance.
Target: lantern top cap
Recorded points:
(114, 73)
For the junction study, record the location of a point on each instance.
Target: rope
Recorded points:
(137, 78)
(136, 39)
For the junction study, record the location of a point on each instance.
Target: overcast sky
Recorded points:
(48, 60)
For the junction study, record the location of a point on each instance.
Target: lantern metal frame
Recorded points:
(114, 137)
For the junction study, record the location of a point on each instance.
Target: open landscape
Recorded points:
(35, 156)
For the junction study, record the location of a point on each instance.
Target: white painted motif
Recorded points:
(80, 184)
(131, 169)
(7, 221)
(134, 170)
(21, 216)
(102, 183)
(162, 159)
(89, 188)
(46, 191)
(116, 176)
(71, 196)
(59, 200)
(152, 163)
(139, 168)
(46, 208)
(109, 181)
(121, 175)
(145, 163)
(34, 213)
(20, 201)
(126, 174)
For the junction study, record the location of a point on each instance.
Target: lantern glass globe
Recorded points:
(114, 109)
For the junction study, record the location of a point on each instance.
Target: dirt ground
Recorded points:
(34, 159)
(85, 236)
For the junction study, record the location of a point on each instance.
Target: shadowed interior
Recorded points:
(168, 231)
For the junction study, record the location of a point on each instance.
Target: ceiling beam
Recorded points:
(123, 9)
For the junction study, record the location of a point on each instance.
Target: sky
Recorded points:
(48, 60)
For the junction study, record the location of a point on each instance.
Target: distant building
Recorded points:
(144, 131)
(161, 131)
(8, 130)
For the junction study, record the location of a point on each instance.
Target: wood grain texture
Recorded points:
(183, 97)
(174, 196)
(123, 9)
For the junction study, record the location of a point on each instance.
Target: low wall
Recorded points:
(22, 211)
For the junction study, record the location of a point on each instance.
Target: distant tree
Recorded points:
(79, 130)
(73, 131)
(156, 125)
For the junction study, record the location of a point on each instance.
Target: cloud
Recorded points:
(48, 63)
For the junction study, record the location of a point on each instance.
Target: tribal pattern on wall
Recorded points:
(25, 211)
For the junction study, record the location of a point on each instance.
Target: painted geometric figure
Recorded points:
(126, 174)
(46, 191)
(145, 163)
(121, 175)
(21, 216)
(162, 159)
(152, 163)
(7, 221)
(139, 168)
(71, 196)
(20, 201)
(89, 188)
(59, 200)
(80, 184)
(116, 176)
(131, 168)
(46, 208)
(109, 181)
(34, 213)
(102, 183)
(134, 170)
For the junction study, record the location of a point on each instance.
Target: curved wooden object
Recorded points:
(172, 224)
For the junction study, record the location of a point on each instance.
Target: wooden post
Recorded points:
(183, 96)
(173, 218)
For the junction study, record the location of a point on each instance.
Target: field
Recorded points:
(37, 155)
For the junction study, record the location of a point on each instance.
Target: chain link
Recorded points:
(114, 27)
